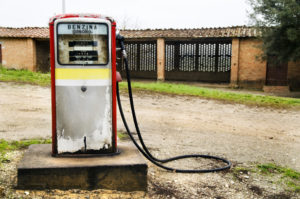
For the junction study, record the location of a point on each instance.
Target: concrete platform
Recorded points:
(124, 172)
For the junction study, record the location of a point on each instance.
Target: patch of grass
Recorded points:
(43, 79)
(24, 76)
(6, 146)
(3, 158)
(242, 98)
(16, 145)
(123, 135)
(242, 170)
(294, 186)
(272, 168)
(283, 176)
(291, 177)
(238, 171)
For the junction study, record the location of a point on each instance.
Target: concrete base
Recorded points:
(124, 172)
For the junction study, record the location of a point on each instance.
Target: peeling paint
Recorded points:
(83, 115)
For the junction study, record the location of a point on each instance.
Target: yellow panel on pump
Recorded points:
(82, 73)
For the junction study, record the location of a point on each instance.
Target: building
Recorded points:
(220, 55)
(25, 48)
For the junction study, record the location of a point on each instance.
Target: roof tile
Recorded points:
(237, 31)
(27, 32)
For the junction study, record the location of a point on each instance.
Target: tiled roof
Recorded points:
(27, 32)
(238, 31)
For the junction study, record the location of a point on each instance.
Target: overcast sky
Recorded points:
(131, 13)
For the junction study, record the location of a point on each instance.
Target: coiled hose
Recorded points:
(144, 150)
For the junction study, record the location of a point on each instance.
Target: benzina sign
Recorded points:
(82, 28)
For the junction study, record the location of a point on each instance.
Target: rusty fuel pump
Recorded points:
(85, 89)
(83, 84)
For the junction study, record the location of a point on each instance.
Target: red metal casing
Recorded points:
(113, 68)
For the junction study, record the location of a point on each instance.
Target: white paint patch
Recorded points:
(66, 144)
(89, 82)
(84, 119)
(102, 137)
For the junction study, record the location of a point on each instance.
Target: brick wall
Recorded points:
(18, 53)
(251, 70)
(246, 69)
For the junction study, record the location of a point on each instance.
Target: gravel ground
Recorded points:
(172, 125)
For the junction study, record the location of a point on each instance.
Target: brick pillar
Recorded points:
(31, 52)
(234, 74)
(160, 59)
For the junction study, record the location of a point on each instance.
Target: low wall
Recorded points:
(18, 53)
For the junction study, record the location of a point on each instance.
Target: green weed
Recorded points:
(6, 146)
(242, 170)
(294, 186)
(272, 168)
(3, 158)
(289, 176)
(16, 145)
(123, 135)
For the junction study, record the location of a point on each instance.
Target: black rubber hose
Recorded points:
(144, 150)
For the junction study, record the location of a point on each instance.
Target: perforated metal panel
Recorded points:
(198, 60)
(141, 59)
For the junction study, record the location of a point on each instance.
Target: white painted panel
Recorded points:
(84, 119)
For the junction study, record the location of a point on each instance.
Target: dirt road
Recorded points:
(174, 125)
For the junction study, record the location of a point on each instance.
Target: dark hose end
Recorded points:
(120, 40)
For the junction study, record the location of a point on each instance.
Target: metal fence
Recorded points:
(192, 60)
(142, 58)
(208, 60)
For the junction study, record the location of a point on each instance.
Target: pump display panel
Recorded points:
(82, 44)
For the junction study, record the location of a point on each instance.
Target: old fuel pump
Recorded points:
(83, 83)
(85, 89)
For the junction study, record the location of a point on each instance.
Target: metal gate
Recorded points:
(207, 60)
(141, 59)
(276, 72)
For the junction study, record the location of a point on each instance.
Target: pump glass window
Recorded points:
(82, 43)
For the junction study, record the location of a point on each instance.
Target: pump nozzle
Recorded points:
(120, 40)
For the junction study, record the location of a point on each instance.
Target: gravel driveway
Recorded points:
(174, 125)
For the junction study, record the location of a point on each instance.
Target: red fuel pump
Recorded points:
(84, 90)
(83, 84)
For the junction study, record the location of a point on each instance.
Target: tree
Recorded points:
(126, 22)
(279, 23)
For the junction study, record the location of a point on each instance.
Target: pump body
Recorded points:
(83, 84)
